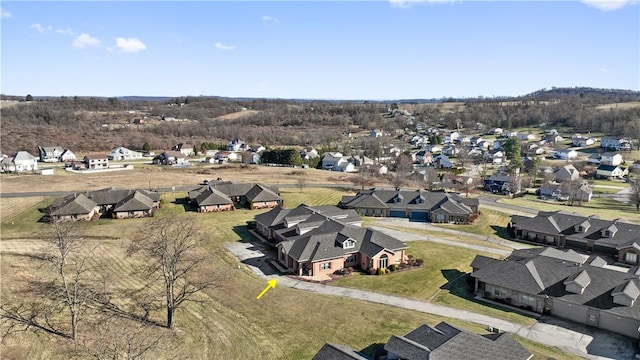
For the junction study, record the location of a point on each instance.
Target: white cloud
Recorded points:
(271, 19)
(66, 31)
(85, 40)
(222, 46)
(4, 14)
(39, 28)
(604, 70)
(130, 45)
(606, 5)
(409, 3)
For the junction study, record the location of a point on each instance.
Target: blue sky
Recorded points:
(330, 50)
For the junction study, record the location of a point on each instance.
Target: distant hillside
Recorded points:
(611, 95)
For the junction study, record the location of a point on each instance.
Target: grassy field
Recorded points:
(231, 321)
(490, 223)
(605, 208)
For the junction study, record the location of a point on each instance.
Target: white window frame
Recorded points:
(325, 266)
(631, 255)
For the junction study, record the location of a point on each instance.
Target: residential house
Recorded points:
(611, 172)
(322, 240)
(475, 140)
(224, 196)
(433, 206)
(376, 133)
(564, 154)
(611, 158)
(495, 157)
(441, 342)
(451, 137)
(170, 157)
(447, 342)
(564, 284)
(450, 150)
(635, 167)
(185, 149)
(375, 169)
(484, 144)
(614, 238)
(95, 162)
(359, 160)
(552, 132)
(594, 159)
(123, 203)
(615, 143)
(526, 137)
(442, 162)
(552, 139)
(457, 182)
(423, 157)
(309, 153)
(122, 153)
(581, 141)
(237, 145)
(501, 182)
(20, 162)
(495, 131)
(67, 156)
(566, 191)
(75, 207)
(337, 162)
(50, 153)
(567, 173)
(250, 157)
(109, 202)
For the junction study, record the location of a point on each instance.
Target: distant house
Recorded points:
(566, 191)
(442, 162)
(171, 157)
(309, 153)
(122, 153)
(209, 199)
(185, 149)
(376, 133)
(496, 157)
(564, 154)
(415, 205)
(611, 158)
(615, 143)
(581, 141)
(237, 145)
(495, 131)
(526, 137)
(567, 173)
(50, 153)
(500, 182)
(75, 207)
(250, 157)
(450, 150)
(441, 342)
(337, 162)
(359, 160)
(424, 157)
(95, 162)
(322, 240)
(456, 182)
(375, 169)
(67, 155)
(20, 162)
(564, 284)
(611, 172)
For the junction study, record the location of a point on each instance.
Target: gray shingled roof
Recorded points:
(337, 352)
(208, 196)
(260, 192)
(559, 222)
(77, 204)
(446, 342)
(519, 273)
(136, 201)
(410, 199)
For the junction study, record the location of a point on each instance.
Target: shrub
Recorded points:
(372, 271)
(380, 271)
(419, 262)
(386, 271)
(349, 270)
(393, 267)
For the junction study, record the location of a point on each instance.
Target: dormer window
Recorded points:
(582, 228)
(609, 231)
(349, 244)
(398, 199)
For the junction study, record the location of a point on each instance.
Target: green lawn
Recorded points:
(605, 208)
(489, 223)
(442, 265)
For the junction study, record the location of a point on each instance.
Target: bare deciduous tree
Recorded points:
(634, 195)
(69, 292)
(172, 249)
(364, 177)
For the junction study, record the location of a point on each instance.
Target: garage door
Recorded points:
(419, 216)
(397, 213)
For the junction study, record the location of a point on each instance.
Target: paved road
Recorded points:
(574, 338)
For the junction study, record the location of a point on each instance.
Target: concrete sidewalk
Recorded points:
(586, 342)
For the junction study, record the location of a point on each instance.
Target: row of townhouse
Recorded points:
(226, 196)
